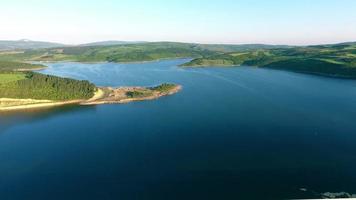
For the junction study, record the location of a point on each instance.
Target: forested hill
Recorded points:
(331, 60)
(31, 85)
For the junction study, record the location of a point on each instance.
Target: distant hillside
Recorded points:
(26, 44)
(239, 47)
(18, 66)
(110, 43)
(332, 60)
(147, 51)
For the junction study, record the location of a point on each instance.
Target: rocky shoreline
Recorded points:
(120, 95)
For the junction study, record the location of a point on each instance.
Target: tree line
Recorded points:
(40, 86)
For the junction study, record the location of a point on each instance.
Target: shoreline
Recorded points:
(319, 74)
(208, 66)
(39, 105)
(103, 62)
(104, 95)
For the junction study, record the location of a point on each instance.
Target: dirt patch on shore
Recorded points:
(122, 95)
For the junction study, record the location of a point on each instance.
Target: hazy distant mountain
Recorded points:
(337, 45)
(239, 47)
(111, 42)
(26, 44)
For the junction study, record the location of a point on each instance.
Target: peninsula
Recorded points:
(31, 90)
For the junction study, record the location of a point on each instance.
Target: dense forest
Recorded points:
(38, 86)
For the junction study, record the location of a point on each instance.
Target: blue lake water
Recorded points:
(230, 133)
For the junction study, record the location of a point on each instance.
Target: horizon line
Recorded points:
(172, 41)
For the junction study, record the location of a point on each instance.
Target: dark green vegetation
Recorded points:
(30, 85)
(165, 87)
(146, 92)
(139, 93)
(17, 66)
(332, 60)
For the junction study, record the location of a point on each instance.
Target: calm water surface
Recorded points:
(231, 133)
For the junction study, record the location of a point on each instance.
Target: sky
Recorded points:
(295, 22)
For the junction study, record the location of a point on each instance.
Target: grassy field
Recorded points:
(11, 77)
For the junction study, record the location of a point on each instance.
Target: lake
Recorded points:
(230, 133)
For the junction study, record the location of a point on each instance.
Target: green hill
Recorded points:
(127, 52)
(18, 66)
(26, 44)
(332, 60)
(109, 43)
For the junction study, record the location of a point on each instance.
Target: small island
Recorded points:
(21, 90)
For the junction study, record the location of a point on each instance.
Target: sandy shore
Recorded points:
(104, 95)
(34, 104)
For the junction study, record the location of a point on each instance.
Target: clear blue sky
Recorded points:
(218, 21)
